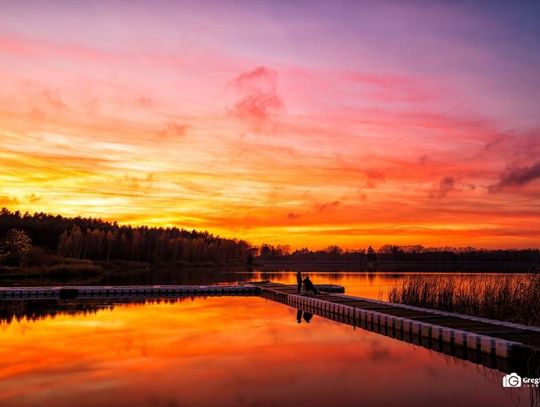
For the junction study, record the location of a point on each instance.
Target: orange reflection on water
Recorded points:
(362, 284)
(226, 351)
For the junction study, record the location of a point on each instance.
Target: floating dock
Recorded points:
(139, 291)
(120, 292)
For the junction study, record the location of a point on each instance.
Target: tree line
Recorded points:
(95, 239)
(394, 253)
(26, 236)
(331, 254)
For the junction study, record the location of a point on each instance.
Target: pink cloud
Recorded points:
(258, 100)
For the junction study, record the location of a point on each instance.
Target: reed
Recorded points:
(514, 298)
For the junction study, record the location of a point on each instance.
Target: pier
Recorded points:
(120, 292)
(139, 291)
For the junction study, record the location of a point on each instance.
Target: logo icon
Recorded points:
(511, 380)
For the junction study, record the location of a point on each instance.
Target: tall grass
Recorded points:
(514, 298)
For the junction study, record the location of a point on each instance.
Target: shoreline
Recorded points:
(407, 267)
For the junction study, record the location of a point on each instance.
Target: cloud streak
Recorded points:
(515, 176)
(446, 185)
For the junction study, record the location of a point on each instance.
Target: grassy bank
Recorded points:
(508, 298)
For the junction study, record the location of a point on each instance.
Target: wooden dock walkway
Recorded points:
(138, 291)
(492, 343)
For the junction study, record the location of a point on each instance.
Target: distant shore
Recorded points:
(406, 266)
(72, 271)
(67, 268)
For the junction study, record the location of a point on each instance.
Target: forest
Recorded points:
(394, 253)
(25, 239)
(38, 239)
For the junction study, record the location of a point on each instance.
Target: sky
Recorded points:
(306, 123)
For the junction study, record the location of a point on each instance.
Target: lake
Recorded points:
(372, 285)
(230, 351)
(369, 285)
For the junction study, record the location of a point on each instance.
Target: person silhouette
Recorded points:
(299, 281)
(307, 317)
(309, 287)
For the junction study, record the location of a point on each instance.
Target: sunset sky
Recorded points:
(302, 122)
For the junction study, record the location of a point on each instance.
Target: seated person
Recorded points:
(309, 287)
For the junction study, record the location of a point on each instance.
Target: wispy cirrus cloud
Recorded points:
(328, 205)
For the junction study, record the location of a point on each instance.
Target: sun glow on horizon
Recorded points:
(273, 123)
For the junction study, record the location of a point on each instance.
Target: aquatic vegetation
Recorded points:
(514, 298)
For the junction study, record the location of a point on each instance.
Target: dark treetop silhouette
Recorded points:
(95, 239)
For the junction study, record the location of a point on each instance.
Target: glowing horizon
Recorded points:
(343, 123)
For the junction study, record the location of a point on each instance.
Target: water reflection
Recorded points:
(224, 351)
(306, 316)
(141, 276)
(34, 309)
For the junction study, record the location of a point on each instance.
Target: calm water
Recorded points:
(369, 285)
(225, 351)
